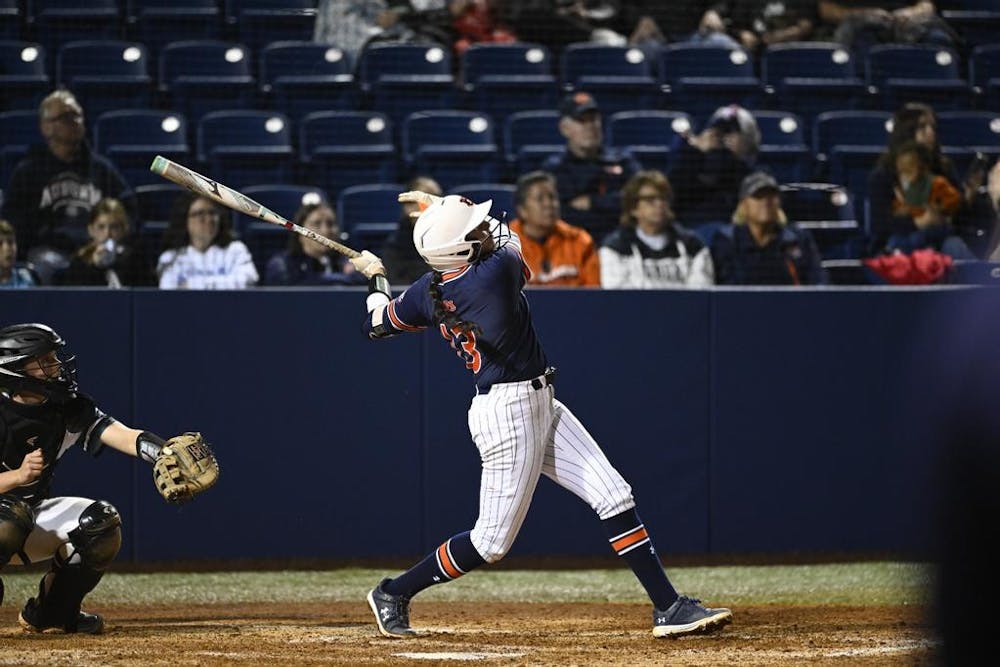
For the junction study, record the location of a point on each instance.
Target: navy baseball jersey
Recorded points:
(488, 294)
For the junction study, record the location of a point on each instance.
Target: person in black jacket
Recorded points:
(56, 186)
(111, 258)
(306, 262)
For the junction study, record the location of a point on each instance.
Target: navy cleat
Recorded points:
(686, 616)
(84, 623)
(392, 612)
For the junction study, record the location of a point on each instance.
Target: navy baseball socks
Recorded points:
(673, 615)
(390, 600)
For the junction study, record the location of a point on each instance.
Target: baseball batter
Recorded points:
(473, 298)
(42, 415)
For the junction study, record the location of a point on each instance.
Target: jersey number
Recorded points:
(464, 344)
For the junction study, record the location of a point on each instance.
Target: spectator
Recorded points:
(588, 175)
(915, 122)
(476, 22)
(201, 252)
(861, 24)
(650, 250)
(399, 252)
(110, 258)
(56, 186)
(12, 275)
(556, 23)
(306, 262)
(558, 254)
(993, 196)
(762, 247)
(708, 167)
(760, 23)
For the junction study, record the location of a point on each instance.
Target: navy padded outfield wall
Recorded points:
(748, 421)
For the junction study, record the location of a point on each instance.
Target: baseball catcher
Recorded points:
(42, 415)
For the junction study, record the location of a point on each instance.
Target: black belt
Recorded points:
(547, 379)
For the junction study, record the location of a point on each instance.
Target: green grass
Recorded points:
(877, 583)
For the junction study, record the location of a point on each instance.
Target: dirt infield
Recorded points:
(482, 633)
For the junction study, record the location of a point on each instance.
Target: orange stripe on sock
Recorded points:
(449, 567)
(630, 539)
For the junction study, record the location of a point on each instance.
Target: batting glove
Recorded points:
(368, 264)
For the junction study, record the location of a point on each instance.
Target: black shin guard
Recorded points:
(60, 594)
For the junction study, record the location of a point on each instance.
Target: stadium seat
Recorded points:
(155, 23)
(131, 137)
(502, 195)
(302, 77)
(199, 76)
(619, 77)
(916, 73)
(18, 132)
(369, 214)
(261, 21)
(23, 77)
(962, 134)
(242, 148)
(812, 77)
(154, 203)
(343, 148)
(501, 79)
(976, 21)
(700, 78)
(530, 137)
(984, 74)
(56, 22)
(847, 144)
(648, 135)
(400, 78)
(285, 200)
(105, 75)
(451, 146)
(828, 212)
(10, 19)
(784, 150)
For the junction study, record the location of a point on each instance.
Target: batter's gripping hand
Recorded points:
(368, 264)
(422, 199)
(185, 467)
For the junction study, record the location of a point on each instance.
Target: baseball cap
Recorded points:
(757, 181)
(576, 104)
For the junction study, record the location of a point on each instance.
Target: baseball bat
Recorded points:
(206, 187)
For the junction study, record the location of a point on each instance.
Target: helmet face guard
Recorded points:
(21, 346)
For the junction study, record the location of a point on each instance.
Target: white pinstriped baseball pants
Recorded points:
(521, 433)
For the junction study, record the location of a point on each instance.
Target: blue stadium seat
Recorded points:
(56, 22)
(302, 77)
(18, 132)
(451, 146)
(916, 73)
(501, 79)
(242, 148)
(530, 137)
(285, 200)
(847, 145)
(977, 21)
(154, 203)
(105, 75)
(131, 137)
(369, 214)
(784, 150)
(502, 195)
(827, 211)
(23, 77)
(199, 76)
(649, 135)
(10, 19)
(984, 73)
(400, 78)
(962, 134)
(261, 21)
(812, 77)
(619, 77)
(344, 148)
(701, 78)
(155, 23)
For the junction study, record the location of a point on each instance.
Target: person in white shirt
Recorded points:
(201, 251)
(649, 249)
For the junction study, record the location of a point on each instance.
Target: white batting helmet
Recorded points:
(440, 231)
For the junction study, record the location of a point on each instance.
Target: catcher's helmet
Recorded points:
(20, 344)
(440, 231)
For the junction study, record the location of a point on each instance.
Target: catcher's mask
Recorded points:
(23, 344)
(440, 233)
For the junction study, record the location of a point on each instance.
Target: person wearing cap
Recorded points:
(762, 247)
(707, 168)
(589, 176)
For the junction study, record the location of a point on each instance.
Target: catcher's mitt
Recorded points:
(185, 467)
